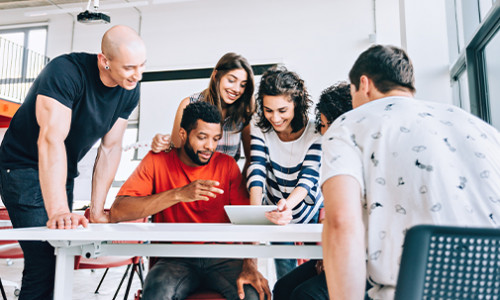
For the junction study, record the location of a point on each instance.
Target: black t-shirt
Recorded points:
(73, 80)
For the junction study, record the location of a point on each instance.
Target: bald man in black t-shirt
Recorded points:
(76, 100)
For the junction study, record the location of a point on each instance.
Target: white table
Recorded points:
(96, 240)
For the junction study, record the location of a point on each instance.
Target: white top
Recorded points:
(279, 167)
(417, 162)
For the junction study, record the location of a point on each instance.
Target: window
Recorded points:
(22, 57)
(475, 68)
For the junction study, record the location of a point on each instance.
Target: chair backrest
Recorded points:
(441, 262)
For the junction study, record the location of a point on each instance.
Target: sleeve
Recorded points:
(238, 194)
(309, 174)
(140, 183)
(341, 156)
(256, 173)
(61, 80)
(132, 102)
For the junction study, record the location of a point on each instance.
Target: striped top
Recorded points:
(279, 167)
(231, 135)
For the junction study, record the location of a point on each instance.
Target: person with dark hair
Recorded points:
(285, 154)
(394, 162)
(308, 281)
(333, 102)
(191, 184)
(231, 90)
(77, 100)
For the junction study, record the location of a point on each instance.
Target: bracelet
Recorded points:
(170, 147)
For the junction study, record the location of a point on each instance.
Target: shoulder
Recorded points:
(184, 102)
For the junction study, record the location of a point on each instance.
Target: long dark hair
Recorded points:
(278, 81)
(240, 112)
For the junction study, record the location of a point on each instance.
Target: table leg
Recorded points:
(65, 263)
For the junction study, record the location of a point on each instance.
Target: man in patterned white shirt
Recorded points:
(394, 162)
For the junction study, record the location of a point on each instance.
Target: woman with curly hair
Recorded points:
(285, 154)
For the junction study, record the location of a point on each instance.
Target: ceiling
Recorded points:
(9, 4)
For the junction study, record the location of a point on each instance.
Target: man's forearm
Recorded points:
(105, 168)
(128, 208)
(52, 171)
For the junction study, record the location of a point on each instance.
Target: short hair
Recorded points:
(199, 111)
(389, 68)
(278, 81)
(333, 102)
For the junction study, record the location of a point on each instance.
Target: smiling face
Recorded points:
(232, 85)
(126, 69)
(201, 142)
(279, 111)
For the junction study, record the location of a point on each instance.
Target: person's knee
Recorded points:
(281, 290)
(301, 294)
(251, 293)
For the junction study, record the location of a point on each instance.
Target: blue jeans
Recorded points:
(283, 266)
(21, 194)
(177, 278)
(303, 283)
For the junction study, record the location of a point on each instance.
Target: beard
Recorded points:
(194, 155)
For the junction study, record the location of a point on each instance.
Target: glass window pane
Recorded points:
(463, 84)
(460, 91)
(16, 37)
(492, 63)
(11, 52)
(484, 7)
(37, 40)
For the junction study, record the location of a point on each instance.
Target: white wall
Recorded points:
(319, 39)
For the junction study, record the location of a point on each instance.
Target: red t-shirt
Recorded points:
(165, 171)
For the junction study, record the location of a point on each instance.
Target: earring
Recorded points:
(106, 67)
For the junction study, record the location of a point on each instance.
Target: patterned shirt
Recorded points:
(278, 167)
(231, 135)
(417, 162)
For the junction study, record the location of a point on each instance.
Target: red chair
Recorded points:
(198, 295)
(113, 261)
(9, 250)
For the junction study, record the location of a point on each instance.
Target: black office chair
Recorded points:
(440, 262)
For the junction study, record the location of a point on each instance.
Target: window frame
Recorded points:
(472, 59)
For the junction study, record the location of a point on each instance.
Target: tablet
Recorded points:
(249, 214)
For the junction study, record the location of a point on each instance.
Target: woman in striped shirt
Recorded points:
(285, 154)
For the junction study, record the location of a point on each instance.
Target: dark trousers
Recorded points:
(21, 195)
(303, 283)
(177, 278)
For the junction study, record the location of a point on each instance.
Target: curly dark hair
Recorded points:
(389, 68)
(199, 111)
(278, 81)
(333, 102)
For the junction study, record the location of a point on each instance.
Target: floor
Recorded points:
(10, 270)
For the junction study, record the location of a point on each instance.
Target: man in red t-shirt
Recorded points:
(191, 184)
